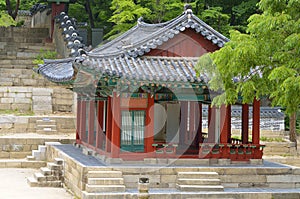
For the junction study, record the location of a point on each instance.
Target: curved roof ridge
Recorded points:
(119, 38)
(148, 36)
(162, 23)
(209, 27)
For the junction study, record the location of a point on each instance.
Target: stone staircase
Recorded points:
(46, 126)
(198, 182)
(39, 154)
(18, 48)
(50, 176)
(104, 181)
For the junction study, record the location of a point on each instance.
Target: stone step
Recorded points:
(32, 182)
(46, 121)
(58, 161)
(104, 188)
(20, 39)
(198, 175)
(42, 148)
(21, 163)
(46, 127)
(200, 188)
(30, 158)
(39, 177)
(39, 155)
(104, 174)
(10, 31)
(105, 181)
(116, 195)
(187, 181)
(52, 166)
(45, 171)
(57, 183)
(26, 34)
(15, 61)
(46, 131)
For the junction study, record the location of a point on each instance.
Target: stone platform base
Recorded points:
(264, 178)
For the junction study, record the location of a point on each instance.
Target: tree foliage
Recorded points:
(264, 62)
(6, 20)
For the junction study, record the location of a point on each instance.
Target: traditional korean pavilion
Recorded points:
(139, 95)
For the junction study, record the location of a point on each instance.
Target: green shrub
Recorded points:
(6, 20)
(44, 54)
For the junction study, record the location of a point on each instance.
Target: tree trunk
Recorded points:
(89, 10)
(10, 10)
(293, 136)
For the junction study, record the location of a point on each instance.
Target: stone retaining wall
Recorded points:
(40, 101)
(16, 148)
(280, 148)
(28, 124)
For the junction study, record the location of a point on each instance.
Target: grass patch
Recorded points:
(266, 139)
(16, 112)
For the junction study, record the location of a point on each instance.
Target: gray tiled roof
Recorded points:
(143, 37)
(124, 56)
(146, 69)
(152, 69)
(59, 70)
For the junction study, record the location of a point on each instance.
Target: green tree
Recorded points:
(264, 62)
(162, 10)
(215, 18)
(125, 15)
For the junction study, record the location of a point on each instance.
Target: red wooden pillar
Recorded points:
(149, 130)
(183, 121)
(56, 10)
(83, 122)
(116, 133)
(192, 131)
(198, 120)
(245, 123)
(256, 121)
(108, 125)
(211, 124)
(99, 134)
(91, 137)
(78, 121)
(225, 120)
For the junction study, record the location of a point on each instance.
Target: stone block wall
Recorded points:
(18, 148)
(39, 101)
(29, 124)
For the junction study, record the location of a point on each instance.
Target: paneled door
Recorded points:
(132, 131)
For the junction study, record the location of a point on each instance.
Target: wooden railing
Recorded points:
(234, 152)
(165, 149)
